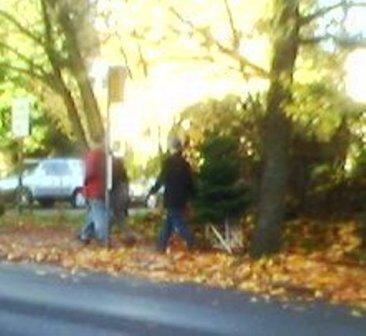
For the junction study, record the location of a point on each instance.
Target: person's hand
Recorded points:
(147, 199)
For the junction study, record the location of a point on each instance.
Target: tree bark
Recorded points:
(59, 85)
(71, 109)
(277, 129)
(80, 72)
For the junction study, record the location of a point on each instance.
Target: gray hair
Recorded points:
(175, 144)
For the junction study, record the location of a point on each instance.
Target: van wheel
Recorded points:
(78, 199)
(23, 197)
(47, 203)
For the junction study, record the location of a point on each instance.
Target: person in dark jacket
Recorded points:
(177, 178)
(96, 225)
(119, 193)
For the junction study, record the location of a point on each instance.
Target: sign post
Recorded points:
(20, 125)
(116, 82)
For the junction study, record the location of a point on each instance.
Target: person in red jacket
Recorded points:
(96, 225)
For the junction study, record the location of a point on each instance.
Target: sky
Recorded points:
(355, 64)
(151, 105)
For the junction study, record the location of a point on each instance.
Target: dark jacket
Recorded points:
(177, 178)
(120, 187)
(119, 175)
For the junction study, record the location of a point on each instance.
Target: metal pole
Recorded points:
(116, 77)
(20, 170)
(107, 156)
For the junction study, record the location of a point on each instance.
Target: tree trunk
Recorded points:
(276, 129)
(59, 85)
(80, 72)
(71, 109)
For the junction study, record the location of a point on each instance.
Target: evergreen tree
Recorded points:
(221, 194)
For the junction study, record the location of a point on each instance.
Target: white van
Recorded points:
(56, 179)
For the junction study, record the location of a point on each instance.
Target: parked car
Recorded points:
(57, 179)
(138, 191)
(9, 185)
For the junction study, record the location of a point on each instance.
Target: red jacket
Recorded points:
(94, 183)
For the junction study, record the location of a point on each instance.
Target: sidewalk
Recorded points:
(288, 276)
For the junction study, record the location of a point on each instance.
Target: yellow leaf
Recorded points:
(356, 313)
(39, 257)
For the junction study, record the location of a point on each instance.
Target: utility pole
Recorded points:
(20, 129)
(116, 82)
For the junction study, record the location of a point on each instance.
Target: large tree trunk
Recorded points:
(276, 129)
(59, 85)
(72, 110)
(80, 72)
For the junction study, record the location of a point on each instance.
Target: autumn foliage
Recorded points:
(321, 260)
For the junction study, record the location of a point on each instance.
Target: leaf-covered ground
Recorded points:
(321, 261)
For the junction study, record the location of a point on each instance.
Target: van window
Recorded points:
(58, 168)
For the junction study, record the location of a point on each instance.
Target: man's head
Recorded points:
(175, 145)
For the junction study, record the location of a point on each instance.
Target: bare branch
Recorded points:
(343, 42)
(143, 61)
(235, 37)
(234, 31)
(325, 10)
(125, 58)
(182, 19)
(211, 40)
(25, 31)
(181, 58)
(352, 43)
(22, 57)
(244, 62)
(49, 43)
(315, 39)
(45, 78)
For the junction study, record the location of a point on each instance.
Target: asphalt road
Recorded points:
(47, 301)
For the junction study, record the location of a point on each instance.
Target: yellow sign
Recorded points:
(116, 82)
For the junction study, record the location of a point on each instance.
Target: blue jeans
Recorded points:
(96, 225)
(175, 221)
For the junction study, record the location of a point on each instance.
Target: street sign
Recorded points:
(20, 121)
(116, 82)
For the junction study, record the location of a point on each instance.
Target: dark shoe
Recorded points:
(160, 250)
(84, 241)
